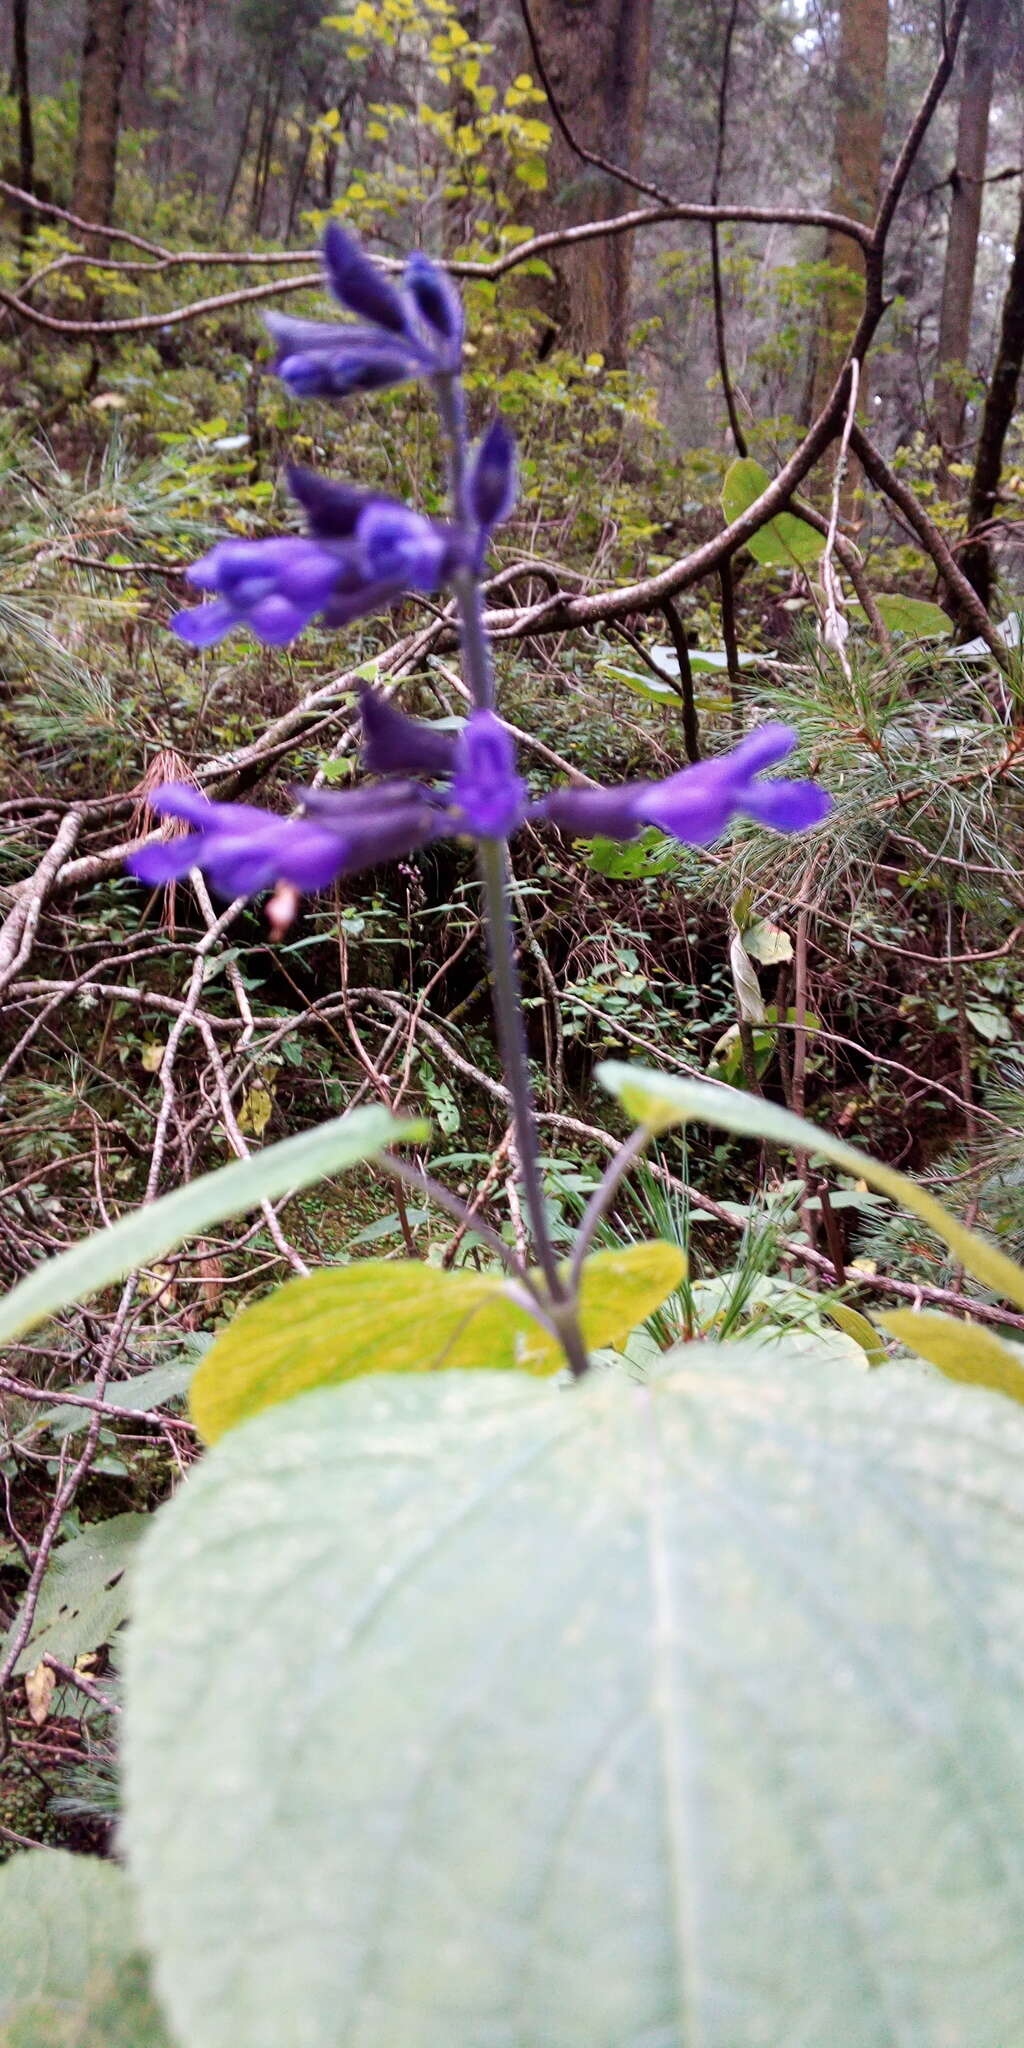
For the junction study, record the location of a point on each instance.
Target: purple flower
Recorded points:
(696, 805)
(403, 332)
(244, 850)
(364, 552)
(489, 799)
(491, 487)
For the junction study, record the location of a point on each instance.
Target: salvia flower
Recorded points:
(363, 554)
(696, 805)
(401, 332)
(470, 787)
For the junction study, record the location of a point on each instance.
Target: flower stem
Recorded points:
(478, 670)
(508, 1016)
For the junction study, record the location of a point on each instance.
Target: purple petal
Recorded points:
(338, 810)
(396, 745)
(370, 842)
(332, 509)
(694, 806)
(486, 791)
(182, 800)
(492, 477)
(307, 856)
(402, 546)
(316, 359)
(436, 301)
(358, 284)
(787, 806)
(761, 749)
(205, 625)
(165, 860)
(596, 813)
(345, 606)
(275, 620)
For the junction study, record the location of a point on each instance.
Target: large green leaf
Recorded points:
(71, 1975)
(468, 1711)
(148, 1233)
(84, 1595)
(663, 1100)
(914, 616)
(785, 542)
(384, 1315)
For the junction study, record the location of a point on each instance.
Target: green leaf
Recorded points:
(467, 1709)
(84, 1595)
(662, 1101)
(963, 1351)
(854, 1325)
(643, 685)
(767, 942)
(786, 541)
(913, 616)
(395, 1315)
(148, 1233)
(708, 661)
(71, 1975)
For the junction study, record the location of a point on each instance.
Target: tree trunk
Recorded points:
(598, 57)
(99, 113)
(856, 176)
(135, 93)
(22, 92)
(976, 557)
(964, 222)
(236, 168)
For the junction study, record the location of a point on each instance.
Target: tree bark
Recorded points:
(23, 94)
(598, 57)
(856, 176)
(964, 223)
(99, 113)
(976, 557)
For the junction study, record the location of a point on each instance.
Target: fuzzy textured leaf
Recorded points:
(71, 1975)
(681, 1715)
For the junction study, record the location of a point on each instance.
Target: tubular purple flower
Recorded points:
(396, 745)
(364, 552)
(438, 304)
(275, 587)
(317, 359)
(241, 848)
(490, 798)
(696, 805)
(400, 333)
(358, 285)
(491, 485)
(399, 545)
(244, 850)
(332, 509)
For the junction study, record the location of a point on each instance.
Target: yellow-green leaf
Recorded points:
(618, 1290)
(661, 1101)
(857, 1326)
(395, 1315)
(782, 542)
(256, 1112)
(963, 1351)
